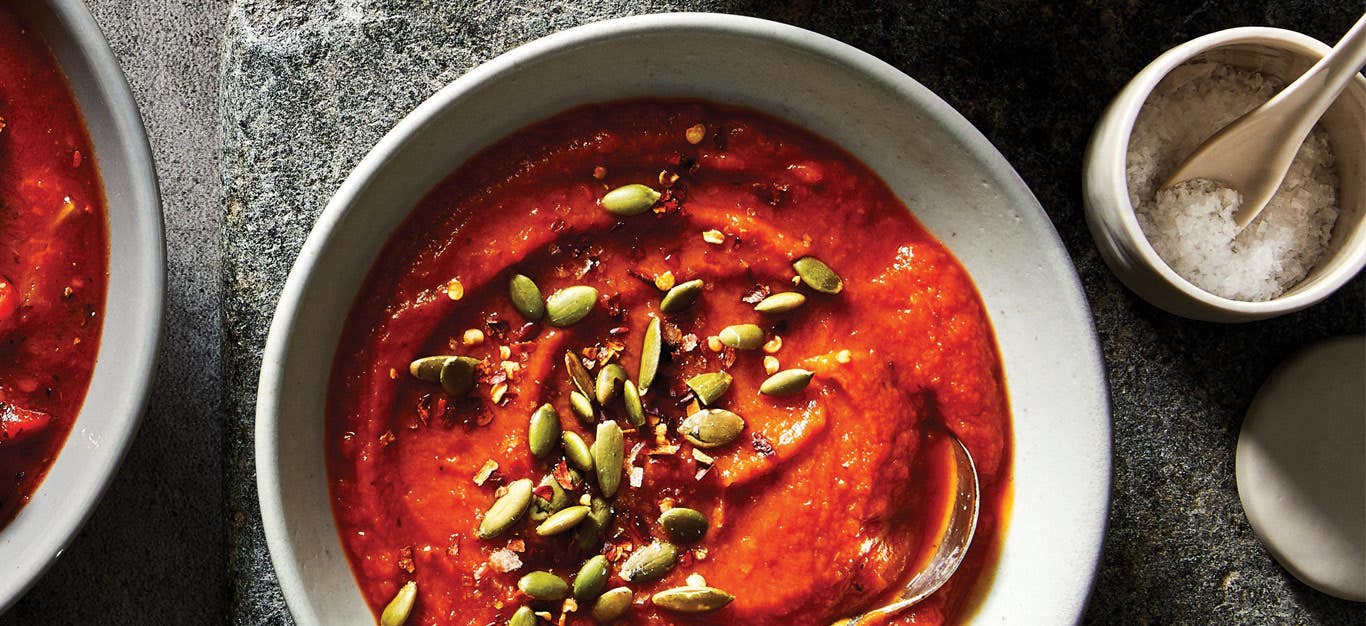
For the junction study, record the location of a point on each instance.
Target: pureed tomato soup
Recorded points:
(820, 496)
(54, 257)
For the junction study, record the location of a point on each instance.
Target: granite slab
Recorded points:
(308, 87)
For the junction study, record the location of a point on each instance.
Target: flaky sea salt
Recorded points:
(505, 560)
(1191, 225)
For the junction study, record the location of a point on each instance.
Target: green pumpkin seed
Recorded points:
(712, 428)
(709, 387)
(506, 510)
(609, 379)
(428, 368)
(582, 407)
(650, 562)
(591, 580)
(691, 599)
(684, 525)
(608, 453)
(562, 521)
(599, 518)
(398, 610)
(786, 382)
(635, 410)
(649, 355)
(630, 200)
(780, 303)
(544, 586)
(542, 508)
(743, 336)
(681, 296)
(576, 451)
(544, 431)
(526, 297)
(578, 374)
(817, 275)
(569, 305)
(524, 617)
(612, 604)
(455, 373)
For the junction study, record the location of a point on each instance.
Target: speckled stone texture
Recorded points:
(309, 87)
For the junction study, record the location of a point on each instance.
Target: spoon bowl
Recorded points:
(1253, 154)
(953, 543)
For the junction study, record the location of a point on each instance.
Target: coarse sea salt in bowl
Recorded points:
(1174, 249)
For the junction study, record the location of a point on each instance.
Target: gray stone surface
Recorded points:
(155, 550)
(309, 87)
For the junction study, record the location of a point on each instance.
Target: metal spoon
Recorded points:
(953, 544)
(1253, 154)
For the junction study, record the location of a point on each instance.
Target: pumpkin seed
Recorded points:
(743, 336)
(562, 521)
(457, 376)
(780, 303)
(591, 580)
(684, 525)
(635, 410)
(609, 378)
(599, 518)
(681, 296)
(608, 452)
(578, 374)
(524, 617)
(631, 199)
(649, 355)
(542, 508)
(612, 604)
(582, 407)
(567, 306)
(817, 275)
(428, 368)
(544, 431)
(544, 586)
(712, 428)
(506, 510)
(649, 562)
(576, 451)
(526, 297)
(398, 610)
(691, 599)
(709, 387)
(786, 382)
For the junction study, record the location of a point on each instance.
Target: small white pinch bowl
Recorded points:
(1110, 215)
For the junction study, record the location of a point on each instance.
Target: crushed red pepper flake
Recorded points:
(565, 476)
(387, 438)
(762, 445)
(756, 294)
(405, 559)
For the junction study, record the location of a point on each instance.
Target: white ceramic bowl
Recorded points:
(959, 186)
(132, 311)
(1274, 52)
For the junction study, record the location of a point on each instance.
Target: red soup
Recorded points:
(54, 257)
(772, 351)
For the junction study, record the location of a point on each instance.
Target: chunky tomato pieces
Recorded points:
(54, 256)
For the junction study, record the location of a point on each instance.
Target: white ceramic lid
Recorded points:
(1302, 466)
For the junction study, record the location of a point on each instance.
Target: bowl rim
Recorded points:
(139, 353)
(292, 298)
(1127, 106)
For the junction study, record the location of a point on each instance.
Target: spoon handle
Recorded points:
(1312, 93)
